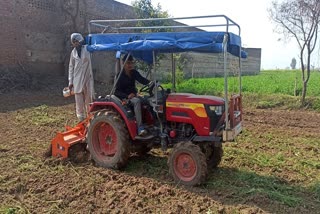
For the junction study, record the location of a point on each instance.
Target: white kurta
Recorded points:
(80, 75)
(80, 71)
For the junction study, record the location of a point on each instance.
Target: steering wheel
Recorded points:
(148, 88)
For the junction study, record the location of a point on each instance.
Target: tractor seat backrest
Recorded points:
(128, 111)
(115, 99)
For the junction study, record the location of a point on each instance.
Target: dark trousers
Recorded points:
(136, 102)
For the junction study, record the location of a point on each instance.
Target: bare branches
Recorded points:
(301, 20)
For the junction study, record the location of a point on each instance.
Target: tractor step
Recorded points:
(144, 138)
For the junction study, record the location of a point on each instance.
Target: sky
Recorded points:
(257, 30)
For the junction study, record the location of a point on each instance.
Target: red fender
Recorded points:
(131, 124)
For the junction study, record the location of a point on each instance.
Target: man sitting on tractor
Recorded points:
(126, 89)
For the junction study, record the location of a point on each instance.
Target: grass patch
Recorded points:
(151, 165)
(243, 184)
(316, 189)
(39, 116)
(12, 210)
(265, 101)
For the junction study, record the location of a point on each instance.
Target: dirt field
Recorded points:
(30, 183)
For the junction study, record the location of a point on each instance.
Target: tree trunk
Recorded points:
(304, 93)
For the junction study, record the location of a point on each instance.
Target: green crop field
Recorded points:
(267, 82)
(268, 89)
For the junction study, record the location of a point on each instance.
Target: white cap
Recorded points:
(76, 36)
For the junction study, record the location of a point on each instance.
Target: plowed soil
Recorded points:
(31, 183)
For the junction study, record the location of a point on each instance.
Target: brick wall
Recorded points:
(35, 34)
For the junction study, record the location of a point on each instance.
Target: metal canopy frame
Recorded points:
(109, 24)
(121, 25)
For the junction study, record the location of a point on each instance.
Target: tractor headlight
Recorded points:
(217, 109)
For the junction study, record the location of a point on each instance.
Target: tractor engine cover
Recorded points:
(192, 109)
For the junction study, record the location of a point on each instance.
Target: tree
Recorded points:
(293, 63)
(144, 10)
(299, 19)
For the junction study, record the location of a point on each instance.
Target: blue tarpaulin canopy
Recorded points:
(141, 45)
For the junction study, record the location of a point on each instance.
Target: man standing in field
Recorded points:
(80, 76)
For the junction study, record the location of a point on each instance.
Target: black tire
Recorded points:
(213, 154)
(215, 158)
(187, 164)
(108, 140)
(78, 153)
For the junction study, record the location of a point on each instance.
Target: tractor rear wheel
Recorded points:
(108, 141)
(187, 164)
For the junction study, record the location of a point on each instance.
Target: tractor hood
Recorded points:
(192, 98)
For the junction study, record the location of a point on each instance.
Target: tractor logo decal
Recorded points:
(198, 108)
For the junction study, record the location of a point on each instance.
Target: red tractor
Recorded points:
(194, 126)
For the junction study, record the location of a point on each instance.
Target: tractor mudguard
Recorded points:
(115, 103)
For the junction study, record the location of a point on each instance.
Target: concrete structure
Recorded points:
(35, 36)
(211, 65)
(252, 65)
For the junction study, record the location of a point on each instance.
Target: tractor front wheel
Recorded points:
(108, 141)
(187, 164)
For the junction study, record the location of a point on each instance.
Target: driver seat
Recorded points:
(124, 107)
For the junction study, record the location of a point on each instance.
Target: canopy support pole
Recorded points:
(226, 103)
(121, 70)
(173, 63)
